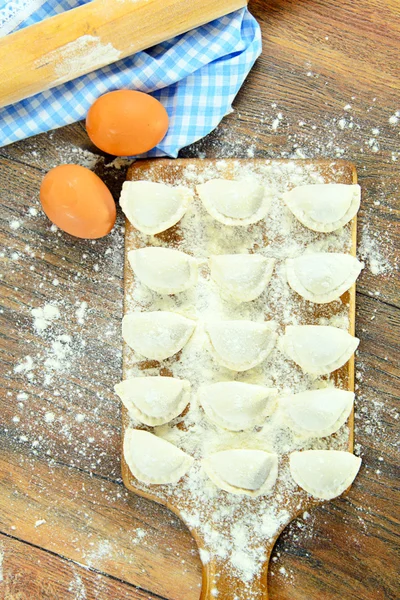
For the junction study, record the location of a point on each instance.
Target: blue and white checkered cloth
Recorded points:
(195, 76)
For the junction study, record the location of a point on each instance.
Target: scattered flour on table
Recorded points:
(59, 348)
(103, 549)
(60, 403)
(77, 587)
(44, 316)
(81, 312)
(138, 535)
(40, 522)
(370, 251)
(49, 417)
(26, 366)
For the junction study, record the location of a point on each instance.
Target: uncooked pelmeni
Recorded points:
(156, 334)
(317, 413)
(237, 406)
(240, 202)
(318, 349)
(154, 460)
(154, 400)
(324, 474)
(241, 277)
(240, 345)
(154, 207)
(238, 471)
(164, 270)
(324, 206)
(322, 277)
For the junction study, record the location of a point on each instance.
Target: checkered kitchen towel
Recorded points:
(195, 76)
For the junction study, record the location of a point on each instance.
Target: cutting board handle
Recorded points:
(221, 582)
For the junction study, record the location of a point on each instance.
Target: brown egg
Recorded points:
(125, 122)
(78, 202)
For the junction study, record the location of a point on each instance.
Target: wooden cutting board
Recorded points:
(217, 573)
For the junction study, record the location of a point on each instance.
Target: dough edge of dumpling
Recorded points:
(286, 348)
(191, 282)
(186, 196)
(180, 472)
(296, 285)
(241, 295)
(326, 228)
(254, 363)
(271, 395)
(264, 489)
(302, 433)
(160, 357)
(327, 495)
(137, 415)
(260, 214)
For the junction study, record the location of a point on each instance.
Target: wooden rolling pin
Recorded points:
(101, 32)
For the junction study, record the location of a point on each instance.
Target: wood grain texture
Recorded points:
(78, 41)
(344, 548)
(52, 577)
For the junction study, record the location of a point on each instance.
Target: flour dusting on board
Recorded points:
(235, 529)
(77, 587)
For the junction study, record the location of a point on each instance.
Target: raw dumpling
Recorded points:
(240, 345)
(156, 334)
(317, 413)
(249, 472)
(324, 207)
(324, 474)
(153, 207)
(318, 349)
(235, 405)
(234, 202)
(322, 277)
(154, 460)
(163, 270)
(154, 400)
(241, 277)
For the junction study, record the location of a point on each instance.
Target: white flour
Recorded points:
(369, 250)
(44, 316)
(83, 55)
(81, 312)
(26, 366)
(77, 588)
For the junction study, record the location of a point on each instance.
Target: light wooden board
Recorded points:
(173, 172)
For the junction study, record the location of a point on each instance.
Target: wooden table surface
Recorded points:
(326, 85)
